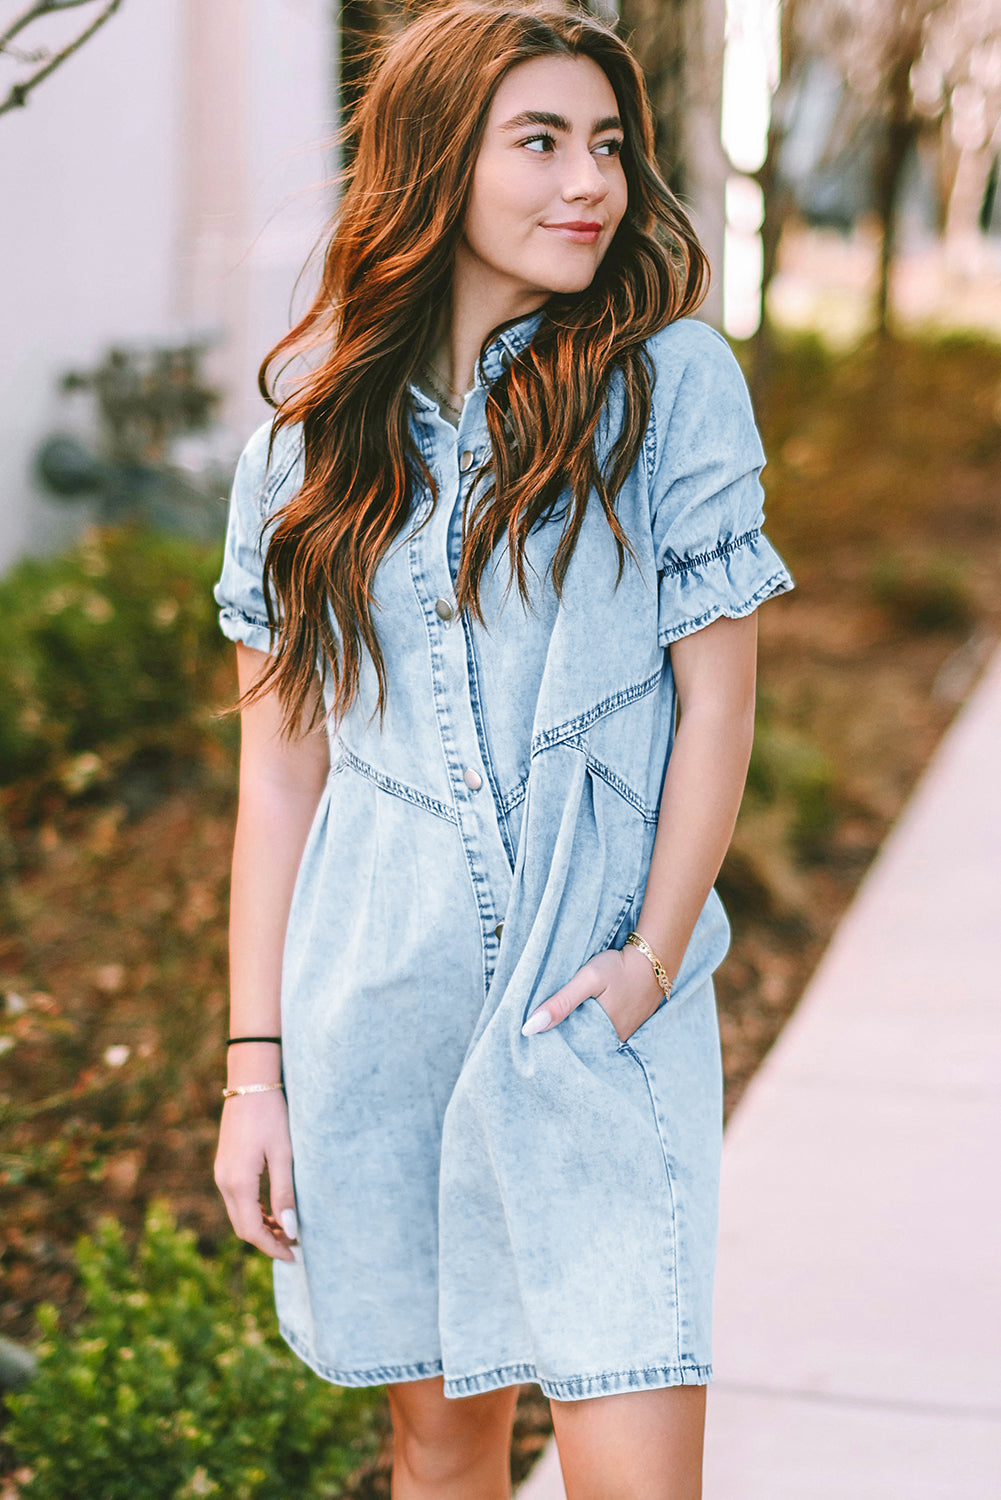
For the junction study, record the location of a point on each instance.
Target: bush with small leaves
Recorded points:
(786, 768)
(103, 643)
(176, 1383)
(929, 595)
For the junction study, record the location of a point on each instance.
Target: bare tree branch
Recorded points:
(41, 8)
(21, 55)
(19, 92)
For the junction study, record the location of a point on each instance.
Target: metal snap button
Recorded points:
(466, 461)
(473, 779)
(498, 929)
(443, 609)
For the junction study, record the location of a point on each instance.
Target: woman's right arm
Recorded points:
(281, 780)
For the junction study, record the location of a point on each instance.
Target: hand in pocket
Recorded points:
(622, 982)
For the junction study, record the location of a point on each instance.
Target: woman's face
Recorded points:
(548, 188)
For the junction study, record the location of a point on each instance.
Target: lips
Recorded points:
(577, 231)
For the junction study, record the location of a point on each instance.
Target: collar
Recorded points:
(506, 347)
(496, 358)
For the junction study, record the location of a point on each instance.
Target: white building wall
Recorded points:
(167, 181)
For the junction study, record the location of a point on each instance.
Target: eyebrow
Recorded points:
(558, 122)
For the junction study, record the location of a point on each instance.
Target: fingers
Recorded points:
(283, 1197)
(560, 1004)
(608, 976)
(246, 1147)
(251, 1223)
(278, 1230)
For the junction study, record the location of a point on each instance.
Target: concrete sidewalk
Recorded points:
(857, 1343)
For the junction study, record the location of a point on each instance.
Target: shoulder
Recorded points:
(699, 391)
(686, 339)
(266, 472)
(689, 356)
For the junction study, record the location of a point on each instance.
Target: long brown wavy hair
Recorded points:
(386, 279)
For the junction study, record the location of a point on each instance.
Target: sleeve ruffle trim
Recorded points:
(731, 579)
(247, 629)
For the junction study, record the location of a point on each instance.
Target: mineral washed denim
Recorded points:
(472, 1202)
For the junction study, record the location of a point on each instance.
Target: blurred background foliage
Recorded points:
(106, 645)
(876, 369)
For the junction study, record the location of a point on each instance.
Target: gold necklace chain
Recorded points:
(440, 392)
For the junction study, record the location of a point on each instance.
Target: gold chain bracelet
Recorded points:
(658, 967)
(251, 1088)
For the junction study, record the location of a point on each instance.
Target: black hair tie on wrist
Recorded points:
(233, 1039)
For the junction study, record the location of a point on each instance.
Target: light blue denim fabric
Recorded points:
(472, 1202)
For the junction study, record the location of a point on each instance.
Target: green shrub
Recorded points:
(787, 768)
(932, 595)
(103, 643)
(177, 1384)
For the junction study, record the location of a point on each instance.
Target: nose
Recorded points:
(584, 180)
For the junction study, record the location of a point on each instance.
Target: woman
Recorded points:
(459, 799)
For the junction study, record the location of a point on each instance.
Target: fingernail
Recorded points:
(537, 1021)
(289, 1223)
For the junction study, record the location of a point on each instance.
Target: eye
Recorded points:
(540, 144)
(612, 147)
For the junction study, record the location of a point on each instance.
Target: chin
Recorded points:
(567, 285)
(569, 279)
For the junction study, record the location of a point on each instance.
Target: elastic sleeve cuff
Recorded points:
(237, 626)
(731, 579)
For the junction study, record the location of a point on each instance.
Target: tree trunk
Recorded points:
(899, 137)
(655, 30)
(901, 132)
(778, 199)
(779, 205)
(679, 45)
(360, 26)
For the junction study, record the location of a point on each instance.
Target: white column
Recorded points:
(259, 114)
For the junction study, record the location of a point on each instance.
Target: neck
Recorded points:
(479, 302)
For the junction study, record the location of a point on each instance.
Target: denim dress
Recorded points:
(474, 1203)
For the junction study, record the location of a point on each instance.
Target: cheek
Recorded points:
(504, 207)
(491, 208)
(619, 199)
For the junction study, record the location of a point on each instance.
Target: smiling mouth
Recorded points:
(583, 231)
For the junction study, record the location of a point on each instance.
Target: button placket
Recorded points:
(455, 463)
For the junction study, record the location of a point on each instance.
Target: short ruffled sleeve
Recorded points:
(259, 490)
(706, 496)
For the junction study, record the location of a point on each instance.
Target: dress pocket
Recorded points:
(645, 1028)
(642, 1031)
(592, 1006)
(614, 939)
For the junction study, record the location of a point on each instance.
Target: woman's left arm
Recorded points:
(714, 674)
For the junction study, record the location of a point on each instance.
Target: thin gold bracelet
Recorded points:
(251, 1088)
(658, 967)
